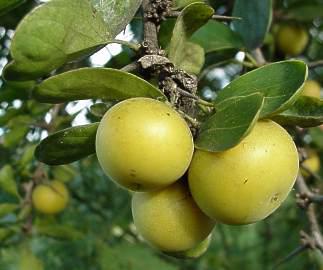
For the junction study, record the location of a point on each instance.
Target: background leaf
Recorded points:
(280, 83)
(99, 83)
(256, 18)
(305, 112)
(7, 208)
(306, 11)
(232, 121)
(190, 19)
(215, 36)
(67, 145)
(7, 181)
(7, 5)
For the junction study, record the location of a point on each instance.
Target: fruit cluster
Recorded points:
(179, 193)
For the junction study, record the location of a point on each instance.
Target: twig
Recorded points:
(132, 67)
(190, 95)
(175, 14)
(315, 64)
(150, 28)
(291, 255)
(259, 57)
(310, 172)
(306, 194)
(134, 46)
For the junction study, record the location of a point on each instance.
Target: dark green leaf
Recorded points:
(58, 231)
(232, 121)
(7, 181)
(67, 145)
(306, 12)
(61, 31)
(256, 19)
(99, 109)
(215, 36)
(99, 83)
(305, 112)
(190, 20)
(7, 5)
(280, 83)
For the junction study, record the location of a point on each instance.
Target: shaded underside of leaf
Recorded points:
(67, 145)
(7, 5)
(305, 112)
(280, 83)
(215, 36)
(100, 83)
(232, 121)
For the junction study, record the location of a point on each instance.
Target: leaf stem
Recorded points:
(134, 46)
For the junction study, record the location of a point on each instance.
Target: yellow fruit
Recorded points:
(291, 39)
(51, 198)
(247, 183)
(312, 163)
(169, 219)
(143, 144)
(312, 88)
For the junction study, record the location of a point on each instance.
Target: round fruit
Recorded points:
(248, 182)
(143, 144)
(50, 198)
(291, 39)
(312, 163)
(169, 219)
(312, 88)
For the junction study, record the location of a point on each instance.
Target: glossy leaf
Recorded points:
(280, 83)
(96, 83)
(232, 121)
(256, 19)
(305, 112)
(116, 14)
(60, 31)
(67, 145)
(191, 19)
(99, 109)
(7, 181)
(7, 5)
(215, 36)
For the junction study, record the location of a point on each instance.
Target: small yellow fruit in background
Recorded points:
(291, 39)
(312, 88)
(248, 182)
(50, 198)
(169, 219)
(143, 144)
(312, 163)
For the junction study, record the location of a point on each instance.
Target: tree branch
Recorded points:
(175, 14)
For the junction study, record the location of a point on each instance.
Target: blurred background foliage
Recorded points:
(96, 231)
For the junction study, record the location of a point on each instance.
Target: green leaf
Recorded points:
(317, 136)
(96, 83)
(67, 145)
(215, 36)
(280, 83)
(27, 155)
(256, 19)
(58, 231)
(7, 5)
(60, 31)
(178, 4)
(190, 20)
(232, 121)
(7, 208)
(28, 261)
(7, 181)
(99, 109)
(16, 90)
(305, 12)
(193, 58)
(126, 256)
(305, 112)
(64, 173)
